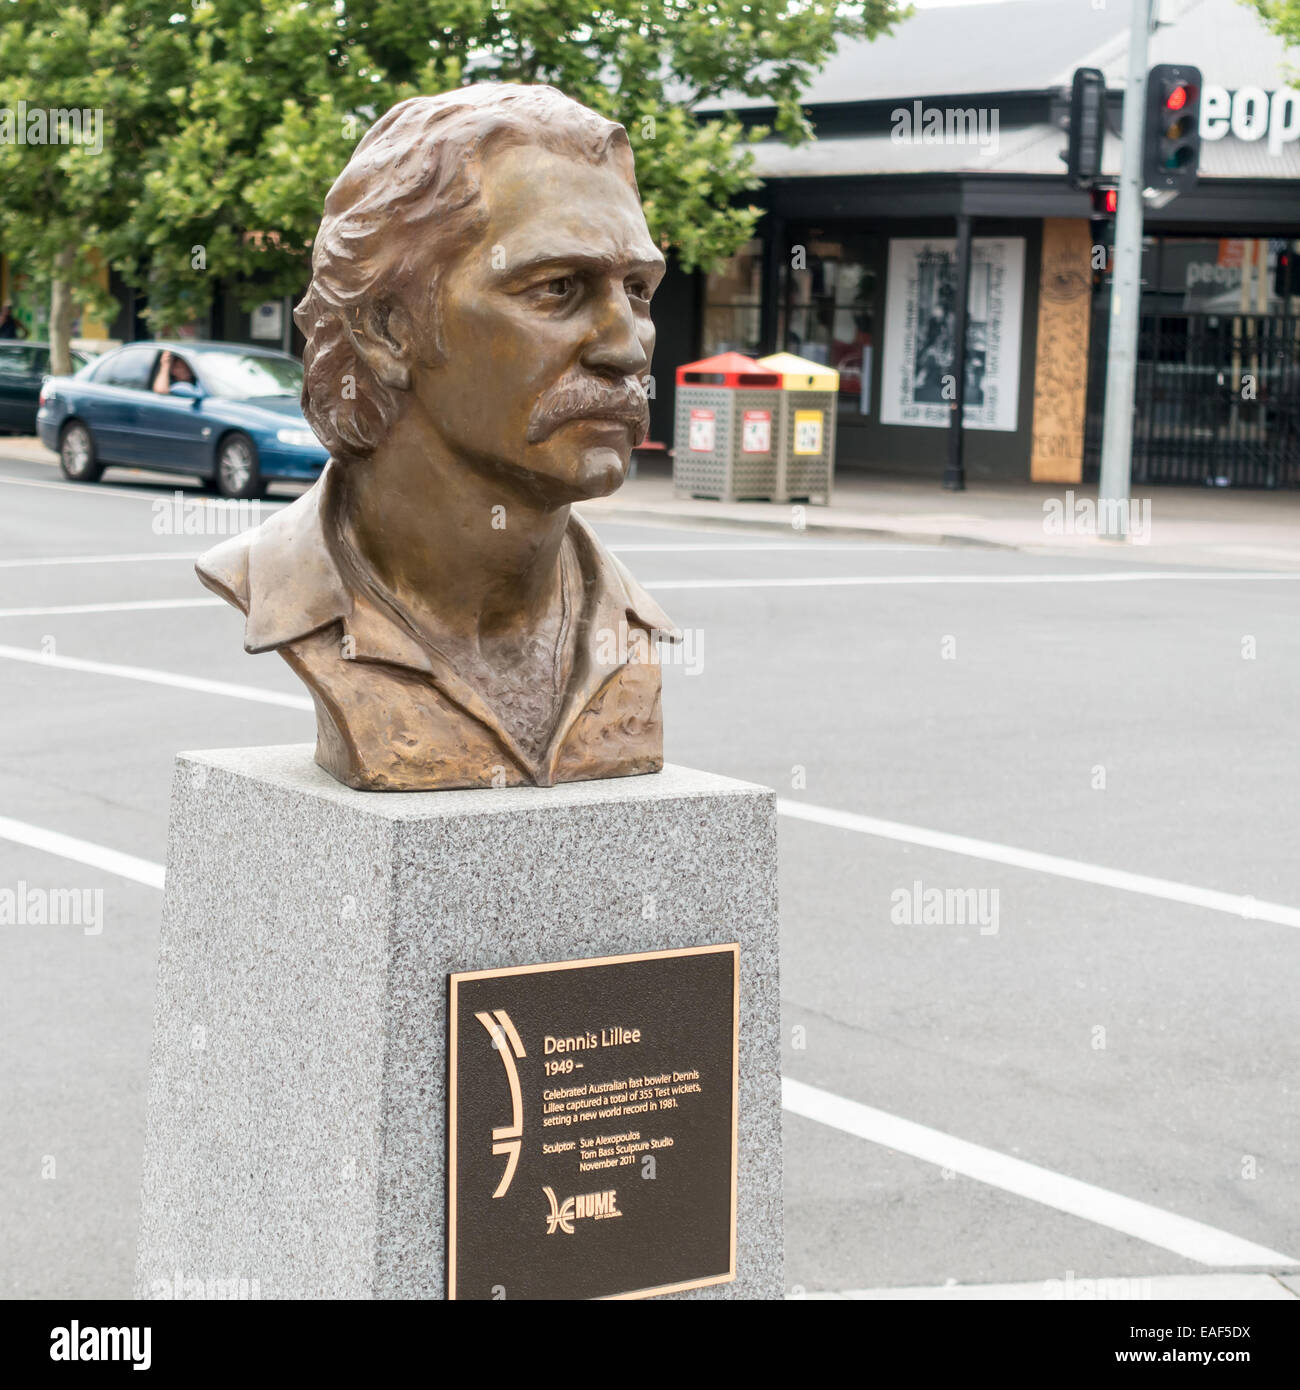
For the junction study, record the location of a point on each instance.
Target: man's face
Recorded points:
(546, 328)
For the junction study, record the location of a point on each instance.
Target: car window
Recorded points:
(19, 361)
(239, 376)
(79, 360)
(131, 367)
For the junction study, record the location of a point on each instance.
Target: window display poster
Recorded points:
(917, 384)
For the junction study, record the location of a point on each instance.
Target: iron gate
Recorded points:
(1217, 400)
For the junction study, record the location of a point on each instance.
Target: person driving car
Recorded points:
(171, 369)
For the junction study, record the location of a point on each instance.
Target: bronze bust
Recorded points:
(478, 355)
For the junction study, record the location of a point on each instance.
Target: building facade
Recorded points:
(961, 114)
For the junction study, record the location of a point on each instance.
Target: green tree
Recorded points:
(76, 122)
(1281, 16)
(228, 120)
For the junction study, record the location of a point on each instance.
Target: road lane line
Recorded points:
(1236, 904)
(802, 547)
(1239, 905)
(1185, 1288)
(101, 490)
(134, 606)
(152, 677)
(806, 547)
(1179, 1234)
(851, 581)
(190, 494)
(82, 851)
(824, 581)
(138, 557)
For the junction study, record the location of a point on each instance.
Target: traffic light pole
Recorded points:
(1125, 293)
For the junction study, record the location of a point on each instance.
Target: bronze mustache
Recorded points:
(587, 398)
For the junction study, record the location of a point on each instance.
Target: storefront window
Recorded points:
(733, 304)
(829, 298)
(1219, 275)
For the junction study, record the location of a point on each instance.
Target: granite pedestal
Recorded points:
(296, 1142)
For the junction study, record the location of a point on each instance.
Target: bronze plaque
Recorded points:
(592, 1126)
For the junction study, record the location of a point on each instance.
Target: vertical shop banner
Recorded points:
(917, 384)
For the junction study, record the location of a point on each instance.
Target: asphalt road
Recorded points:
(1138, 1039)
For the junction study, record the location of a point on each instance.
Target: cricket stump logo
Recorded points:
(561, 1217)
(507, 1139)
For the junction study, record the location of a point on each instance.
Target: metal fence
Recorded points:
(1217, 401)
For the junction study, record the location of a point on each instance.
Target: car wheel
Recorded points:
(238, 474)
(77, 454)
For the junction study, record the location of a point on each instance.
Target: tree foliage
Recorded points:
(227, 120)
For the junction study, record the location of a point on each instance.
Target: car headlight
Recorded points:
(304, 439)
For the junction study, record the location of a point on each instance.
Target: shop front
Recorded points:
(854, 263)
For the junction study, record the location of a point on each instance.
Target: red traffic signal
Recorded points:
(1171, 143)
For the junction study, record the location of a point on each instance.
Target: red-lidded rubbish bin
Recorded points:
(725, 442)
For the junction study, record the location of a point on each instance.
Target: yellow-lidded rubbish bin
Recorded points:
(805, 459)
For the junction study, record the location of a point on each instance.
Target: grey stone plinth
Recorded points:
(297, 1112)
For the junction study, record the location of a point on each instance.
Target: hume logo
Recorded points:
(599, 1206)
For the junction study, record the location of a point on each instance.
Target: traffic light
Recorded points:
(1087, 127)
(1105, 203)
(1286, 274)
(1172, 142)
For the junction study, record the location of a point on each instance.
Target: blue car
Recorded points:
(223, 412)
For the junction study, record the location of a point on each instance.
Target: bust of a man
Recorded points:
(478, 355)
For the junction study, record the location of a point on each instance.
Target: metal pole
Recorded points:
(1125, 292)
(775, 253)
(954, 473)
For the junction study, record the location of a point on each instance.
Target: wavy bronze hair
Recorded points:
(420, 166)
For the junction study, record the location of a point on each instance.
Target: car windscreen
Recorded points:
(249, 376)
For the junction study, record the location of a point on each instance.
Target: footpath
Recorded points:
(1219, 527)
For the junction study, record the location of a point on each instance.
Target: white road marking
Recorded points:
(1239, 905)
(824, 581)
(1183, 1236)
(82, 851)
(152, 677)
(133, 606)
(138, 558)
(806, 547)
(190, 494)
(850, 581)
(1179, 1234)
(1273, 552)
(1068, 1286)
(99, 490)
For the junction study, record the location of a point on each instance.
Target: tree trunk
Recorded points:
(61, 308)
